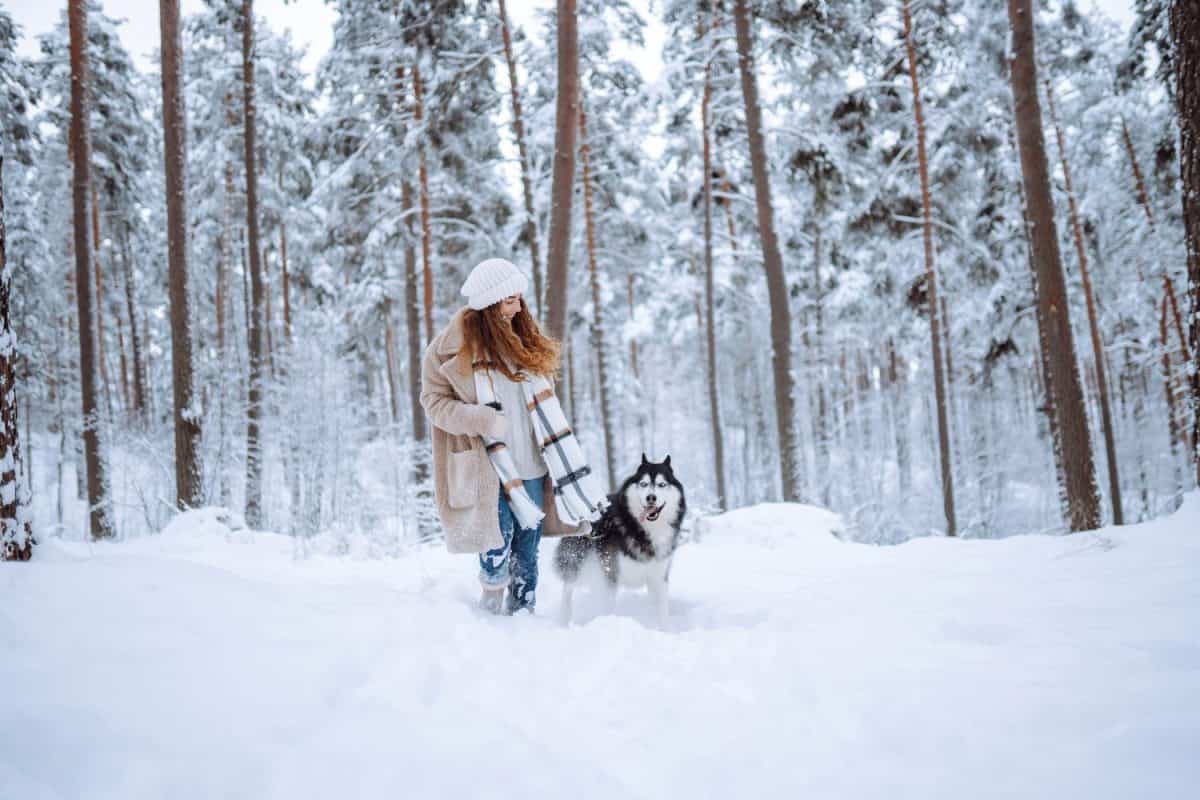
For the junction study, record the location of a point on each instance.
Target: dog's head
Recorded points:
(653, 491)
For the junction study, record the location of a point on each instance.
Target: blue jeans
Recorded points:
(515, 563)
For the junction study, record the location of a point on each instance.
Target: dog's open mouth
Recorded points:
(650, 513)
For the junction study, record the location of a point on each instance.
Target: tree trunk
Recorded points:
(101, 356)
(390, 362)
(1110, 445)
(1185, 28)
(412, 317)
(1144, 200)
(1174, 429)
(100, 512)
(188, 489)
(1082, 498)
(939, 378)
(16, 517)
(606, 416)
(710, 337)
(781, 329)
(423, 177)
(126, 399)
(135, 335)
(286, 287)
(899, 406)
(566, 125)
(255, 330)
(531, 231)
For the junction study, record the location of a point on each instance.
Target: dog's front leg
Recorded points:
(565, 610)
(657, 584)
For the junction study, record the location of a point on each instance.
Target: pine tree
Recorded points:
(99, 514)
(781, 338)
(188, 489)
(1063, 378)
(940, 367)
(16, 521)
(1185, 29)
(566, 124)
(256, 331)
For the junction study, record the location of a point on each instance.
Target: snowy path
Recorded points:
(198, 665)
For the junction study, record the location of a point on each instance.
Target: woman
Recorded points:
(474, 387)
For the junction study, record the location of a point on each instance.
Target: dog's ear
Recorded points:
(645, 461)
(667, 462)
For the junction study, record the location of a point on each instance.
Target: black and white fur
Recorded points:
(633, 541)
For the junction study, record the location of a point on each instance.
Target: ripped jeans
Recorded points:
(515, 563)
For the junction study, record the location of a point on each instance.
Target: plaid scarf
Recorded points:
(576, 495)
(524, 509)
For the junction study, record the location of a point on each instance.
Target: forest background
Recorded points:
(388, 160)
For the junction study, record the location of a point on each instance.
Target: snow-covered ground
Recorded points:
(205, 663)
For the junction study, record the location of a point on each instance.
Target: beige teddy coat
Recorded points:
(465, 484)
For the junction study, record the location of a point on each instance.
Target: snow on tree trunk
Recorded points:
(1185, 28)
(781, 328)
(566, 128)
(101, 358)
(255, 328)
(1063, 378)
(188, 488)
(16, 519)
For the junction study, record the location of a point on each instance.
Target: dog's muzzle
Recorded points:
(650, 513)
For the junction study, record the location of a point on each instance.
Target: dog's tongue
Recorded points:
(646, 512)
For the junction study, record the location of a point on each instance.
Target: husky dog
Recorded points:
(634, 539)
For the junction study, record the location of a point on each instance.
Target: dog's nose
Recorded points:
(651, 499)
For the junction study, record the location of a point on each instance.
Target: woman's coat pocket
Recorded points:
(462, 479)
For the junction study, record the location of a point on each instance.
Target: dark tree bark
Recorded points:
(781, 328)
(606, 416)
(256, 331)
(412, 318)
(1071, 413)
(566, 126)
(939, 377)
(188, 489)
(1175, 429)
(531, 231)
(135, 338)
(1185, 29)
(1110, 444)
(710, 336)
(16, 517)
(100, 512)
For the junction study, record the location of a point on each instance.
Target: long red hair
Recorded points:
(492, 342)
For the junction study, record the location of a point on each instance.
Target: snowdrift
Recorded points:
(211, 661)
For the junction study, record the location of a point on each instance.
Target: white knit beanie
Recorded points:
(491, 281)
